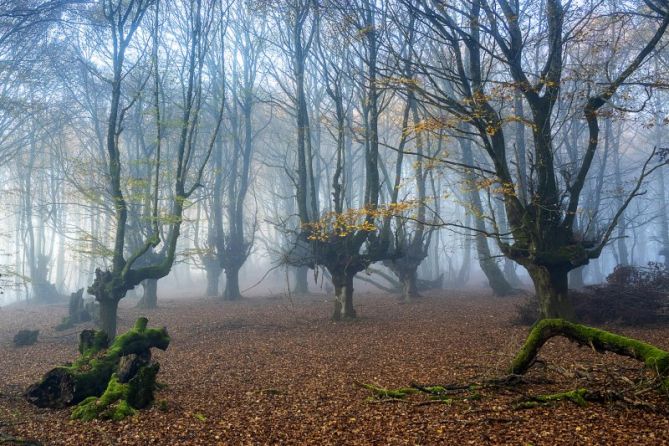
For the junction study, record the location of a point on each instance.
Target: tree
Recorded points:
(236, 244)
(123, 20)
(347, 241)
(480, 34)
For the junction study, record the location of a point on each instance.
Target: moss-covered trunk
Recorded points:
(91, 374)
(108, 289)
(343, 303)
(552, 288)
(599, 340)
(149, 299)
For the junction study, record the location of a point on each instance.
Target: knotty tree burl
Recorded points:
(489, 53)
(122, 21)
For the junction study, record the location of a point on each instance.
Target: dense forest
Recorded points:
(382, 172)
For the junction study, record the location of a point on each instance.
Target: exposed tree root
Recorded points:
(654, 358)
(383, 393)
(582, 397)
(578, 396)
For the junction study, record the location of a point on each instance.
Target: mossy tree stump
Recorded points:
(654, 358)
(122, 374)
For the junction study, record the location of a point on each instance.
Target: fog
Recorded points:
(235, 149)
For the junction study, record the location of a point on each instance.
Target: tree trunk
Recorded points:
(301, 285)
(496, 279)
(149, 299)
(213, 279)
(511, 274)
(409, 281)
(232, 284)
(552, 288)
(465, 268)
(343, 303)
(664, 218)
(108, 315)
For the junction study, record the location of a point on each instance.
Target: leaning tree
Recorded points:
(492, 52)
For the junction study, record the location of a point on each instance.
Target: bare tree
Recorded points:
(479, 35)
(123, 20)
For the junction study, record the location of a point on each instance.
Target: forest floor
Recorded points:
(278, 371)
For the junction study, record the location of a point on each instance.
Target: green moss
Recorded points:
(383, 393)
(576, 396)
(434, 389)
(92, 342)
(91, 374)
(118, 400)
(93, 369)
(112, 404)
(142, 385)
(122, 410)
(601, 340)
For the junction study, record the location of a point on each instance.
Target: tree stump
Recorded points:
(77, 312)
(25, 337)
(107, 381)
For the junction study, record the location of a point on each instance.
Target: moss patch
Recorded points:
(91, 375)
(577, 396)
(654, 358)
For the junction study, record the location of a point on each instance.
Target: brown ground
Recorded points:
(268, 371)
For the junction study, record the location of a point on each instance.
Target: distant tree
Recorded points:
(24, 42)
(249, 29)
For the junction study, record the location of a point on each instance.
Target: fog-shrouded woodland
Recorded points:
(400, 167)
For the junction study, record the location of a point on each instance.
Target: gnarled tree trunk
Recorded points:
(91, 374)
(552, 288)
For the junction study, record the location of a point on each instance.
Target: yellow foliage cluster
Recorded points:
(333, 225)
(506, 189)
(493, 186)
